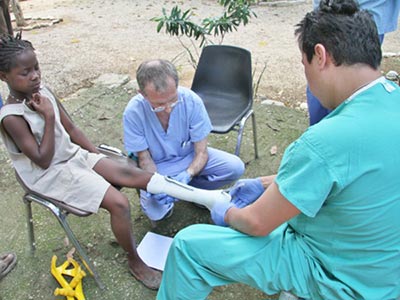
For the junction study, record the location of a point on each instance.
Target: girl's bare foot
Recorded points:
(149, 277)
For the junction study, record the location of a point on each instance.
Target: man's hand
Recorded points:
(218, 212)
(246, 191)
(183, 177)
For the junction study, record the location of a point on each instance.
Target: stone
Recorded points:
(111, 80)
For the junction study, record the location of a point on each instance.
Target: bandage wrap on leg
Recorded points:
(163, 184)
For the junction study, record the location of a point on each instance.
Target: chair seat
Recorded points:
(118, 156)
(61, 205)
(215, 102)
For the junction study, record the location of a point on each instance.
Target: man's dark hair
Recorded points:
(156, 72)
(348, 33)
(10, 48)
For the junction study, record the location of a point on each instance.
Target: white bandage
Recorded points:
(163, 184)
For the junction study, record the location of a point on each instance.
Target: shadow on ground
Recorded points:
(98, 112)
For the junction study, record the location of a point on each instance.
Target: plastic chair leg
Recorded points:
(62, 219)
(81, 252)
(240, 133)
(29, 219)
(239, 142)
(253, 120)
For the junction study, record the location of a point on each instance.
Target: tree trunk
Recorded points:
(5, 20)
(19, 17)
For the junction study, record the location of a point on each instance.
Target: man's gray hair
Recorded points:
(156, 72)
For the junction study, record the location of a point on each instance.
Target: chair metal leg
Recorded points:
(62, 218)
(240, 133)
(253, 120)
(29, 222)
(239, 139)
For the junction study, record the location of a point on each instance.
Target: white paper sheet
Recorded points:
(153, 250)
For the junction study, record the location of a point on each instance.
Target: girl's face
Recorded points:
(24, 77)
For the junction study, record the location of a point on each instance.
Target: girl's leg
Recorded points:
(119, 174)
(118, 206)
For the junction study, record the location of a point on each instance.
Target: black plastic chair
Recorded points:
(223, 80)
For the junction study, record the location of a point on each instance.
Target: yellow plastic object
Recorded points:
(71, 290)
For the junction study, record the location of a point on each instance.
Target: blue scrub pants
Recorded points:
(205, 256)
(316, 111)
(222, 168)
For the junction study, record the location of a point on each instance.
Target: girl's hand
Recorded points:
(42, 105)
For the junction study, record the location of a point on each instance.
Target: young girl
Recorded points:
(54, 158)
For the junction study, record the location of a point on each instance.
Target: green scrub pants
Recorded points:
(205, 256)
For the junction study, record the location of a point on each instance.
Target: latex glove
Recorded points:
(183, 177)
(218, 212)
(246, 191)
(161, 198)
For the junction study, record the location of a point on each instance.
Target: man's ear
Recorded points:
(321, 56)
(3, 76)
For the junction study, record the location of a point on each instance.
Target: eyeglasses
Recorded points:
(164, 107)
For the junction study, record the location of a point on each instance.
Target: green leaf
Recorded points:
(186, 14)
(159, 26)
(177, 22)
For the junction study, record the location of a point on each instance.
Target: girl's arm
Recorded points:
(77, 136)
(20, 132)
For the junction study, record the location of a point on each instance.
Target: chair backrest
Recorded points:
(223, 79)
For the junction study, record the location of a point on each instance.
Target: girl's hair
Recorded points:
(10, 48)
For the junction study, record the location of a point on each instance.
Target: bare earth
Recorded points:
(98, 36)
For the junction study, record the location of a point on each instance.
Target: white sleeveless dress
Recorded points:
(70, 178)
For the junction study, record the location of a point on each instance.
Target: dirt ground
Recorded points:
(98, 37)
(98, 111)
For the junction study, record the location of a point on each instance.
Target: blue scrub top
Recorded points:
(171, 149)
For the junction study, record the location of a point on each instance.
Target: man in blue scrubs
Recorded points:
(327, 227)
(166, 128)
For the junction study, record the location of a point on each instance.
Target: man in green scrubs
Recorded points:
(327, 226)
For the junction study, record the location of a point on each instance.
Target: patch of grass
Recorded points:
(98, 112)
